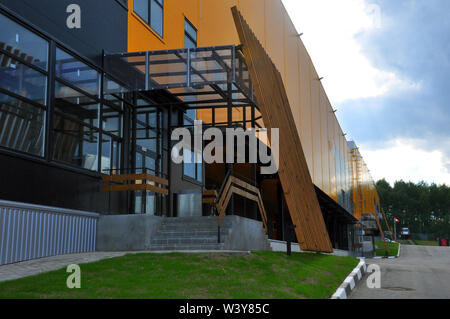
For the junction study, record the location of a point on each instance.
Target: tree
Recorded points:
(422, 207)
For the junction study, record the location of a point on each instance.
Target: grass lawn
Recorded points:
(381, 251)
(204, 276)
(426, 242)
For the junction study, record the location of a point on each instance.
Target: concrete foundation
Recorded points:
(126, 232)
(246, 234)
(135, 232)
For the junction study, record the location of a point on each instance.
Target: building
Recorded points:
(90, 95)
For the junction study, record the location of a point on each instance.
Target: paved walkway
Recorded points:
(421, 272)
(37, 266)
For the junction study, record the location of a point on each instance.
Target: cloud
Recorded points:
(386, 66)
(405, 159)
(330, 30)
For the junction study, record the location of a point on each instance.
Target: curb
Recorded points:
(350, 282)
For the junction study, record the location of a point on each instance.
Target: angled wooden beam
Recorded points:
(274, 106)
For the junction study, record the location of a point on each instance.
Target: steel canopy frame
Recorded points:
(200, 78)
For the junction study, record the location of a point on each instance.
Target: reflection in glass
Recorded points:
(111, 150)
(140, 7)
(22, 43)
(156, 19)
(77, 73)
(75, 144)
(21, 126)
(75, 128)
(23, 80)
(77, 105)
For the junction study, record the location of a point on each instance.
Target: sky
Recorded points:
(386, 69)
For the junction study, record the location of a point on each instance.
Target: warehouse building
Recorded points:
(88, 107)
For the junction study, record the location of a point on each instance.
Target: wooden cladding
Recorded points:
(295, 178)
(209, 196)
(236, 186)
(141, 183)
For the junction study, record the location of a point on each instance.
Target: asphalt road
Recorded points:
(421, 272)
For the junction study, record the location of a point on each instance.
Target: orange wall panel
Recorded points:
(327, 153)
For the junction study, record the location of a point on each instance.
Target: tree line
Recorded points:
(421, 207)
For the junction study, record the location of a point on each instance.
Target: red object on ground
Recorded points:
(444, 242)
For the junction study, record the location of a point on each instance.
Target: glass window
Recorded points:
(75, 72)
(189, 164)
(74, 143)
(75, 128)
(22, 80)
(111, 155)
(22, 43)
(190, 35)
(112, 121)
(193, 166)
(152, 13)
(157, 16)
(141, 8)
(77, 105)
(21, 125)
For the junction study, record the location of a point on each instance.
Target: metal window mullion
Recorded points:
(50, 101)
(188, 66)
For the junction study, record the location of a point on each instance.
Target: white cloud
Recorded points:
(330, 28)
(405, 159)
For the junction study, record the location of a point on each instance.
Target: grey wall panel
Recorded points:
(31, 231)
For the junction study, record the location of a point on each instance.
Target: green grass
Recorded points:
(174, 276)
(381, 250)
(426, 242)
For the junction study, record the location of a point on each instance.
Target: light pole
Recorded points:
(396, 220)
(395, 229)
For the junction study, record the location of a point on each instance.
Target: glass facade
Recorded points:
(59, 107)
(23, 88)
(85, 124)
(193, 161)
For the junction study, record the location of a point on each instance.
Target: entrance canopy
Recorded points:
(200, 78)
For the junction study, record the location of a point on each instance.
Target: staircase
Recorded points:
(190, 233)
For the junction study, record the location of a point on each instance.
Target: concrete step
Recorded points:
(215, 246)
(169, 228)
(191, 233)
(187, 241)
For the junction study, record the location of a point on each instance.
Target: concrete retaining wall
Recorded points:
(134, 233)
(246, 234)
(126, 232)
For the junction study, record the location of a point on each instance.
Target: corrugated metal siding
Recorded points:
(31, 231)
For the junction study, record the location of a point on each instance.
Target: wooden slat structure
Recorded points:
(140, 183)
(382, 234)
(295, 178)
(387, 224)
(209, 196)
(236, 186)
